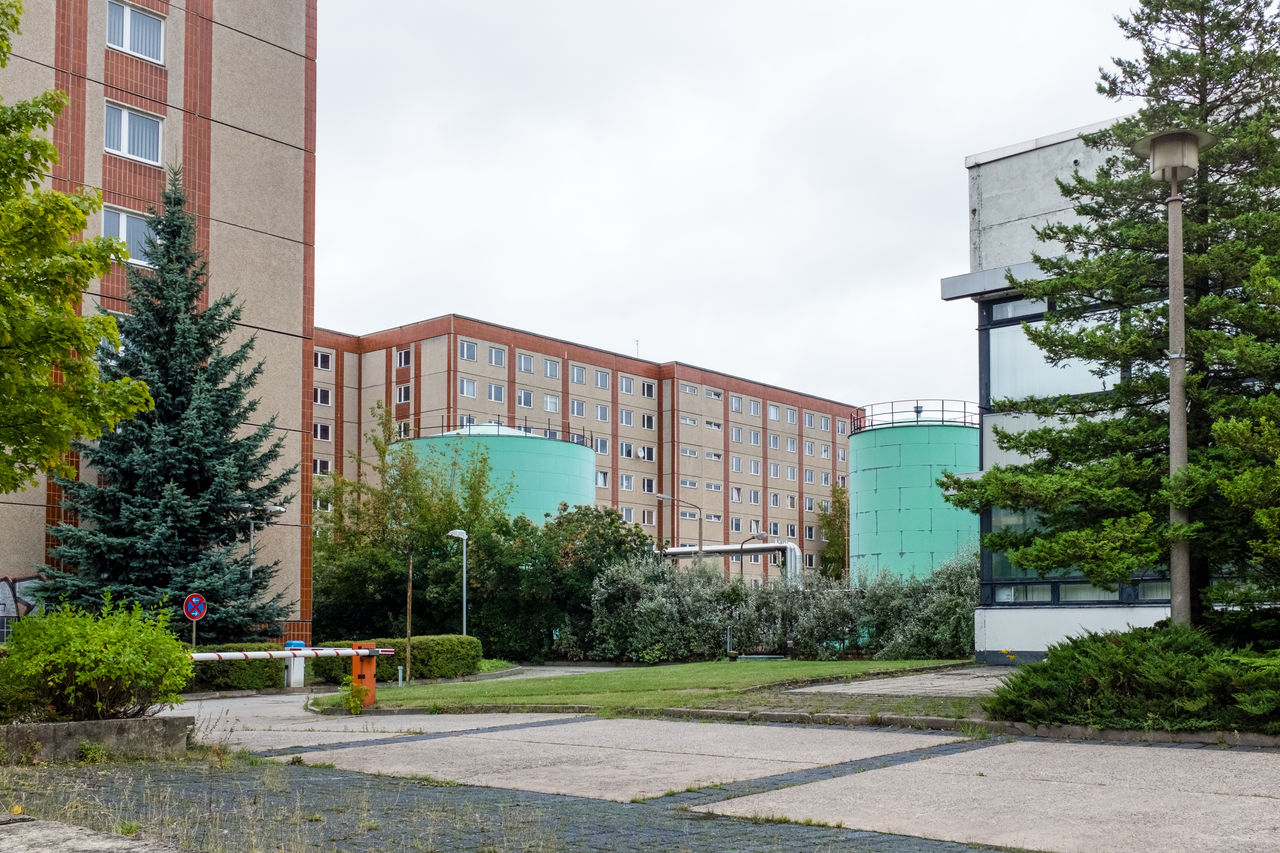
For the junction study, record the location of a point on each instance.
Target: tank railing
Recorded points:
(918, 411)
(550, 429)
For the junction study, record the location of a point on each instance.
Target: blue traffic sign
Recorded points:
(195, 606)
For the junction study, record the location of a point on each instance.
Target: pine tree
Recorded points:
(164, 507)
(1096, 483)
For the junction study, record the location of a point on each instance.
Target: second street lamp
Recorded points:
(462, 534)
(660, 496)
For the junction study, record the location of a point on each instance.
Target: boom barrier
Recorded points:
(363, 664)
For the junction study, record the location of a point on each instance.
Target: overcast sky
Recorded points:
(769, 189)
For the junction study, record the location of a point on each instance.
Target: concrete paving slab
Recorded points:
(807, 746)
(624, 759)
(1054, 797)
(46, 836)
(970, 681)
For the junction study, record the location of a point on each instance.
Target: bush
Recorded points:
(441, 656)
(78, 665)
(939, 621)
(238, 674)
(1172, 678)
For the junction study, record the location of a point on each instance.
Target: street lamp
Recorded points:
(269, 510)
(462, 534)
(1175, 154)
(660, 496)
(742, 552)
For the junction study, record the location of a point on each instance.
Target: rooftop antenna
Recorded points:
(637, 347)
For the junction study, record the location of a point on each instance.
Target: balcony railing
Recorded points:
(919, 411)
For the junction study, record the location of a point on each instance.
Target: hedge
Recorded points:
(442, 656)
(237, 674)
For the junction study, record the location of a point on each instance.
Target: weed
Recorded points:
(974, 731)
(89, 752)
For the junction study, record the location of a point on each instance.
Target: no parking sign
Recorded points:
(194, 607)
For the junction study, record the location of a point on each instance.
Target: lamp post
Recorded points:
(742, 560)
(1175, 154)
(269, 510)
(462, 534)
(660, 496)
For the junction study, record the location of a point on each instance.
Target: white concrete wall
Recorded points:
(1033, 629)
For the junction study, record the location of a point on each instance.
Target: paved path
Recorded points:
(1038, 795)
(969, 681)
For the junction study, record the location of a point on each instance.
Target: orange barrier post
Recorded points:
(364, 669)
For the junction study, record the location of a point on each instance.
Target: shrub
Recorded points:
(939, 624)
(84, 666)
(1172, 678)
(238, 674)
(441, 656)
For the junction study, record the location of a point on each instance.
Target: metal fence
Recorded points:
(919, 411)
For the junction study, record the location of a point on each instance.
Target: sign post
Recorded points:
(194, 607)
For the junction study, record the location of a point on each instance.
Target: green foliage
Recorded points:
(166, 513)
(351, 695)
(89, 752)
(1172, 678)
(443, 656)
(1096, 477)
(117, 663)
(940, 622)
(237, 674)
(51, 389)
(833, 560)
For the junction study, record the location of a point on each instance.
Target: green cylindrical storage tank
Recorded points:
(898, 520)
(544, 472)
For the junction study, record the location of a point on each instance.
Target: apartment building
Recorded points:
(681, 450)
(226, 91)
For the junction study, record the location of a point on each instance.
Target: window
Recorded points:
(714, 516)
(690, 514)
(808, 504)
(466, 387)
(577, 374)
(755, 437)
(466, 420)
(808, 561)
(524, 399)
(808, 475)
(467, 350)
(553, 434)
(773, 528)
(791, 416)
(808, 420)
(648, 389)
(577, 408)
(773, 412)
(840, 427)
(688, 389)
(1018, 368)
(495, 393)
(826, 478)
(808, 531)
(602, 479)
(735, 464)
(714, 395)
(773, 470)
(550, 402)
(687, 420)
(646, 422)
(624, 384)
(132, 134)
(791, 501)
(808, 448)
(624, 417)
(602, 446)
(755, 467)
(713, 487)
(735, 524)
(825, 424)
(791, 445)
(130, 228)
(714, 455)
(524, 362)
(826, 451)
(403, 429)
(321, 432)
(691, 452)
(602, 413)
(826, 505)
(735, 494)
(321, 506)
(135, 32)
(646, 517)
(753, 497)
(498, 356)
(320, 396)
(753, 526)
(841, 481)
(625, 450)
(735, 434)
(323, 360)
(791, 472)
(840, 453)
(735, 403)
(319, 466)
(755, 408)
(404, 393)
(791, 531)
(688, 484)
(602, 379)
(647, 485)
(404, 357)
(774, 442)
(647, 454)
(775, 500)
(715, 425)
(626, 514)
(551, 368)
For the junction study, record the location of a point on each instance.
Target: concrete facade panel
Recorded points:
(240, 64)
(274, 21)
(257, 183)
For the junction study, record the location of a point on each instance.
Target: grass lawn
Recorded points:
(692, 685)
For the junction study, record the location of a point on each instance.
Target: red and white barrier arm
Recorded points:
(286, 654)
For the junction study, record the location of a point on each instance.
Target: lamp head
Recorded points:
(459, 534)
(1174, 154)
